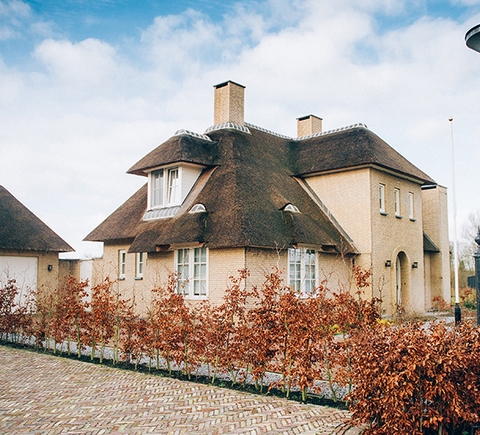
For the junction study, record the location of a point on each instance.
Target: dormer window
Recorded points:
(165, 188)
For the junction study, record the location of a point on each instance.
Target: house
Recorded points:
(239, 196)
(29, 249)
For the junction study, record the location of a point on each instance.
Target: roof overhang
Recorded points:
(371, 166)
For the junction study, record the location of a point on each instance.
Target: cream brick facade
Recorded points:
(353, 197)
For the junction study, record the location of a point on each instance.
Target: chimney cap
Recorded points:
(302, 118)
(221, 85)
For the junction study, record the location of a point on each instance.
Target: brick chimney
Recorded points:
(228, 103)
(307, 125)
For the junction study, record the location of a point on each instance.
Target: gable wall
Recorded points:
(353, 199)
(435, 225)
(393, 235)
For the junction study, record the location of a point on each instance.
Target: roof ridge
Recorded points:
(192, 133)
(228, 125)
(322, 133)
(335, 130)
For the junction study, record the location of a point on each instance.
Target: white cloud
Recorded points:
(84, 112)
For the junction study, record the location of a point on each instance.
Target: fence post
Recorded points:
(476, 256)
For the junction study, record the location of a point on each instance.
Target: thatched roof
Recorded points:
(21, 230)
(247, 182)
(352, 148)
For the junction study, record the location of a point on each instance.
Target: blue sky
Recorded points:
(89, 87)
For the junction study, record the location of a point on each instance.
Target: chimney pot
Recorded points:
(307, 125)
(229, 103)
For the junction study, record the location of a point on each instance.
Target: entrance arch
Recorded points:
(401, 281)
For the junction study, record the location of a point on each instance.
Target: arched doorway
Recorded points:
(401, 281)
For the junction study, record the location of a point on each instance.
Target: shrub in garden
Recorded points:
(69, 318)
(15, 319)
(417, 378)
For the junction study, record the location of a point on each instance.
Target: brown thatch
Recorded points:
(247, 182)
(21, 230)
(352, 148)
(181, 148)
(122, 223)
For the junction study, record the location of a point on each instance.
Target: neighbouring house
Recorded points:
(239, 196)
(29, 249)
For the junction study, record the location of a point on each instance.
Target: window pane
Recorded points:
(200, 272)
(173, 186)
(410, 205)
(397, 201)
(157, 188)
(309, 270)
(183, 271)
(382, 197)
(294, 268)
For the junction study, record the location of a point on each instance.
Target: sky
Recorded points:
(87, 88)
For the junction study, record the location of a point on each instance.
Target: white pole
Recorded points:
(455, 245)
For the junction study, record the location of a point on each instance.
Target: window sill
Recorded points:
(398, 216)
(121, 278)
(138, 278)
(384, 213)
(413, 220)
(195, 298)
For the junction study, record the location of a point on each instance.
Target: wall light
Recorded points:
(415, 265)
(49, 267)
(388, 263)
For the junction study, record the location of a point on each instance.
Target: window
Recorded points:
(302, 269)
(191, 267)
(139, 261)
(411, 213)
(157, 188)
(122, 259)
(397, 202)
(165, 187)
(381, 191)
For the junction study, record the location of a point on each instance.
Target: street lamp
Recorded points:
(472, 38)
(476, 256)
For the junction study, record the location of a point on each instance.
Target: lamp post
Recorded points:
(458, 310)
(476, 256)
(472, 39)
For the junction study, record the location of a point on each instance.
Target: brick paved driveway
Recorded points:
(42, 394)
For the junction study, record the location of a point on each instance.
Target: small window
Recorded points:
(381, 192)
(411, 209)
(302, 266)
(198, 208)
(122, 260)
(292, 208)
(139, 263)
(396, 193)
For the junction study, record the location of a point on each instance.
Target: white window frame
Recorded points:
(139, 264)
(396, 199)
(381, 193)
(191, 266)
(411, 206)
(165, 187)
(301, 278)
(122, 264)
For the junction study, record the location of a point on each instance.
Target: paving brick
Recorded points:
(46, 395)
